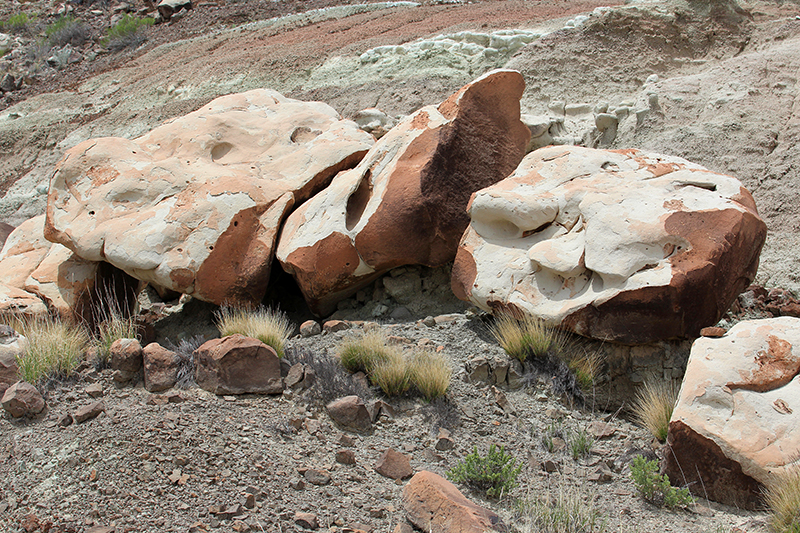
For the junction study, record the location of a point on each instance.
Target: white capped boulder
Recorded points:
(194, 206)
(620, 245)
(737, 419)
(404, 203)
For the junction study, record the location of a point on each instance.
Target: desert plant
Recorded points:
(586, 368)
(564, 511)
(185, 351)
(17, 23)
(392, 375)
(554, 430)
(655, 487)
(272, 327)
(782, 496)
(67, 30)
(362, 353)
(430, 374)
(54, 348)
(526, 337)
(653, 406)
(494, 474)
(331, 380)
(126, 32)
(580, 443)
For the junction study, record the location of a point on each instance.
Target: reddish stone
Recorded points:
(350, 413)
(126, 358)
(394, 465)
(238, 365)
(712, 332)
(22, 399)
(160, 367)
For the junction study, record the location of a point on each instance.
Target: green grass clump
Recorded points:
(494, 474)
(16, 23)
(364, 352)
(54, 348)
(526, 337)
(653, 406)
(272, 327)
(782, 496)
(430, 374)
(565, 511)
(114, 327)
(580, 443)
(126, 32)
(656, 488)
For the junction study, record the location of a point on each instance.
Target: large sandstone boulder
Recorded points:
(36, 274)
(404, 203)
(435, 505)
(194, 206)
(615, 245)
(737, 419)
(238, 365)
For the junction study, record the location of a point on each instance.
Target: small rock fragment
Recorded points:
(306, 520)
(88, 412)
(394, 465)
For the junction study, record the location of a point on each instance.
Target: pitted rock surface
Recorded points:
(737, 420)
(620, 245)
(195, 205)
(404, 203)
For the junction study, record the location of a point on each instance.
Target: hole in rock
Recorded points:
(220, 150)
(357, 202)
(303, 134)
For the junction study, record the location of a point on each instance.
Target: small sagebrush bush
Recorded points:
(16, 23)
(67, 30)
(54, 349)
(494, 474)
(564, 511)
(526, 337)
(125, 33)
(392, 375)
(653, 406)
(331, 380)
(185, 351)
(362, 353)
(655, 487)
(782, 496)
(430, 374)
(272, 327)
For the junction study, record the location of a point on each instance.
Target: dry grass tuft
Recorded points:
(392, 375)
(365, 352)
(430, 374)
(54, 349)
(566, 510)
(782, 496)
(272, 327)
(586, 368)
(653, 406)
(527, 337)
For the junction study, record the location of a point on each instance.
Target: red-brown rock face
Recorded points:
(615, 245)
(238, 365)
(404, 203)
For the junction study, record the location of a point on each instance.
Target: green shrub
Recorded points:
(653, 406)
(126, 33)
(67, 30)
(494, 474)
(17, 23)
(566, 511)
(430, 374)
(656, 488)
(54, 349)
(272, 327)
(782, 496)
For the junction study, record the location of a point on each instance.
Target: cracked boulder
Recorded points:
(404, 203)
(737, 419)
(195, 205)
(617, 245)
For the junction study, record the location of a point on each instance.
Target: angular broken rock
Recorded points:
(238, 365)
(350, 413)
(737, 419)
(394, 465)
(160, 367)
(306, 520)
(126, 358)
(404, 203)
(88, 412)
(435, 505)
(22, 399)
(194, 206)
(615, 245)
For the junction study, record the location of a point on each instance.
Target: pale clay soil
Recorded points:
(145, 465)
